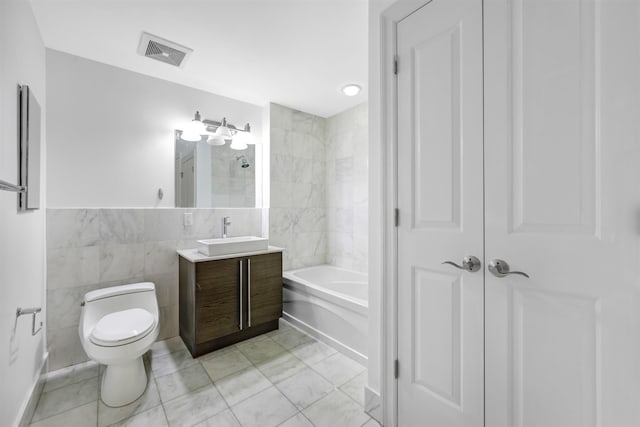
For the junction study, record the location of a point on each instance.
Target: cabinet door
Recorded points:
(264, 285)
(217, 298)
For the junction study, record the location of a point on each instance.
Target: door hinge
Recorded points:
(396, 369)
(395, 65)
(396, 217)
(181, 174)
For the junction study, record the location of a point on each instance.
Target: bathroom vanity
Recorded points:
(225, 299)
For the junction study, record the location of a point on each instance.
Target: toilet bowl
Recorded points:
(117, 326)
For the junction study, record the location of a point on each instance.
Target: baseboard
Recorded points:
(321, 336)
(31, 401)
(373, 404)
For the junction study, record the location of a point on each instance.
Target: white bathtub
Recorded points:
(331, 304)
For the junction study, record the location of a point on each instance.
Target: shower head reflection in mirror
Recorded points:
(208, 176)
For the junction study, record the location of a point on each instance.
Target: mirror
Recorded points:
(210, 176)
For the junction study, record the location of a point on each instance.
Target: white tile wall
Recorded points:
(298, 192)
(89, 249)
(347, 154)
(319, 187)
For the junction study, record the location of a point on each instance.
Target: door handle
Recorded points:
(249, 291)
(240, 289)
(500, 268)
(469, 263)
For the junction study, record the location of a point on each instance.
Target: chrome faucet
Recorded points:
(225, 225)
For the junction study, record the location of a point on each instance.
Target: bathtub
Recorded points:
(330, 303)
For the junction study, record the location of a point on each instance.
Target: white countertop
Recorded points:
(194, 255)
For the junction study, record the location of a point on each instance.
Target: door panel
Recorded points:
(561, 90)
(440, 344)
(217, 299)
(551, 60)
(264, 283)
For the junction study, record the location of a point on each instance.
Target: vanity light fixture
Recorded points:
(351, 89)
(194, 130)
(218, 133)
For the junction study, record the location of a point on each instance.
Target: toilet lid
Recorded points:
(122, 327)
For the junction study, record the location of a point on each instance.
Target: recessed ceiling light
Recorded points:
(351, 89)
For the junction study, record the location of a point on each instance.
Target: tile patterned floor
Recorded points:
(283, 378)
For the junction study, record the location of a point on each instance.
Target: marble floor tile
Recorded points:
(338, 368)
(260, 349)
(223, 419)
(221, 364)
(354, 388)
(281, 366)
(150, 399)
(152, 418)
(64, 398)
(181, 382)
(78, 417)
(298, 420)
(290, 337)
(194, 407)
(71, 375)
(171, 362)
(371, 423)
(336, 409)
(313, 352)
(305, 387)
(241, 385)
(167, 346)
(180, 390)
(266, 409)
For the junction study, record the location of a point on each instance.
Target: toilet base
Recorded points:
(123, 383)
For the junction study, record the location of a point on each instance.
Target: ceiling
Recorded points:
(297, 53)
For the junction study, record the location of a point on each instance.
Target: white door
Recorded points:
(562, 185)
(440, 198)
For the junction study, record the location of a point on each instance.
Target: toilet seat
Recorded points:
(122, 327)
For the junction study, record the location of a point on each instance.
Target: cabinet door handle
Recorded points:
(240, 287)
(249, 289)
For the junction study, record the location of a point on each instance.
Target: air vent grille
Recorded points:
(163, 50)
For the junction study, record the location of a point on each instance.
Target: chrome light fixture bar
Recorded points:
(217, 133)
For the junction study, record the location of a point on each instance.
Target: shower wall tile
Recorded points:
(347, 189)
(298, 190)
(90, 249)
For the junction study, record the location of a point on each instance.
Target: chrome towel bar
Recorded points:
(4, 185)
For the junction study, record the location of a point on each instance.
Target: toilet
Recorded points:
(117, 326)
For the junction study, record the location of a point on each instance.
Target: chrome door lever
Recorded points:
(469, 263)
(500, 268)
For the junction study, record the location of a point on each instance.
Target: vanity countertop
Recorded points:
(194, 255)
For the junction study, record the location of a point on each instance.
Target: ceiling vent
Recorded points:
(163, 50)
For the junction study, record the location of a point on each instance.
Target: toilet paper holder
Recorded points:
(33, 311)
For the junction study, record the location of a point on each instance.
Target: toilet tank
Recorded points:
(101, 302)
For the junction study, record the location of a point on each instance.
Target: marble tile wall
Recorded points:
(89, 249)
(347, 183)
(298, 194)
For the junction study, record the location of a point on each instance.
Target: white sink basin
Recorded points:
(232, 245)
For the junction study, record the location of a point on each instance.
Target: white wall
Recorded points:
(111, 132)
(376, 185)
(22, 241)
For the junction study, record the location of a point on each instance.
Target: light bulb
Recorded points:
(238, 145)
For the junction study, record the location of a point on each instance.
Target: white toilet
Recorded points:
(117, 326)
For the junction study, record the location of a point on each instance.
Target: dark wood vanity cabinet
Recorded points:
(229, 300)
